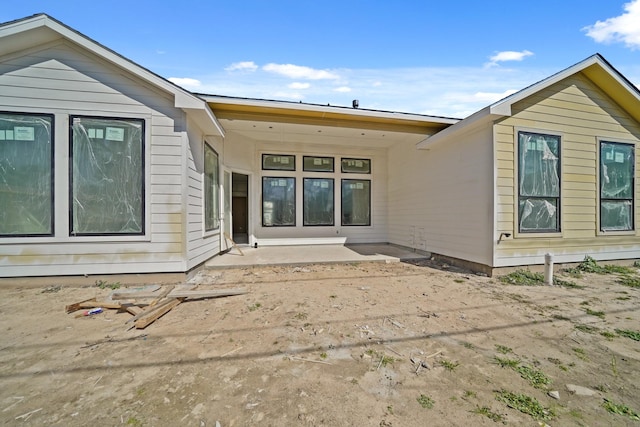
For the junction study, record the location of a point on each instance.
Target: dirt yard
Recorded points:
(370, 344)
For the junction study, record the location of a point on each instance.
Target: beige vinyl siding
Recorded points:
(63, 80)
(581, 113)
(440, 199)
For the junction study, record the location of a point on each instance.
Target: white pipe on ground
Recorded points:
(548, 269)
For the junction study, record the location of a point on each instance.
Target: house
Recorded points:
(105, 167)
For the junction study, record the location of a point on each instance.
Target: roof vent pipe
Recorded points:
(355, 103)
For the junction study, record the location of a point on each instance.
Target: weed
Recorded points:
(503, 349)
(255, 306)
(449, 365)
(459, 280)
(528, 278)
(488, 413)
(523, 278)
(608, 335)
(469, 393)
(323, 355)
(354, 381)
(587, 328)
(468, 345)
(585, 303)
(623, 298)
(386, 360)
(560, 317)
(535, 377)
(580, 353)
(634, 335)
(632, 282)
(636, 263)
(301, 316)
(590, 265)
(614, 366)
(620, 409)
(390, 410)
(599, 314)
(425, 401)
(525, 404)
(601, 388)
(134, 422)
(103, 284)
(506, 363)
(575, 413)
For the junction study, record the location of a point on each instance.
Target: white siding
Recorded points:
(64, 81)
(244, 155)
(440, 200)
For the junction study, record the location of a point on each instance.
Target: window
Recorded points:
(356, 166)
(278, 162)
(26, 174)
(107, 176)
(318, 201)
(317, 164)
(278, 201)
(211, 189)
(616, 186)
(538, 182)
(356, 202)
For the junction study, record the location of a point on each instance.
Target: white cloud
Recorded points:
(299, 72)
(242, 66)
(298, 85)
(508, 55)
(186, 82)
(491, 97)
(624, 28)
(342, 89)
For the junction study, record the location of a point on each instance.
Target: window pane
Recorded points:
(317, 164)
(538, 182)
(538, 168)
(107, 176)
(211, 189)
(318, 201)
(356, 202)
(279, 162)
(616, 186)
(356, 165)
(615, 216)
(616, 171)
(538, 214)
(278, 202)
(26, 192)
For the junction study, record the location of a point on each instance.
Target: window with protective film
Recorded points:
(107, 176)
(318, 201)
(616, 186)
(538, 183)
(26, 174)
(356, 202)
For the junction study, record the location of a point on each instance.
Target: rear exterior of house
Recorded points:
(102, 172)
(563, 180)
(567, 177)
(106, 167)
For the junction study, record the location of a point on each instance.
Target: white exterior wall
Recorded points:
(244, 156)
(61, 80)
(440, 200)
(200, 244)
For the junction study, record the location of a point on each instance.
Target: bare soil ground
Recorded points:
(328, 345)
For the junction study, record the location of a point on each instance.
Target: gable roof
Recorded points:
(41, 28)
(595, 67)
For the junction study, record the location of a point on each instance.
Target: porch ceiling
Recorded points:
(286, 122)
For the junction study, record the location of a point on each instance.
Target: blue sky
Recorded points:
(440, 58)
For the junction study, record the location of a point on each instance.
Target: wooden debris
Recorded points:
(308, 360)
(233, 244)
(162, 295)
(231, 351)
(178, 293)
(155, 314)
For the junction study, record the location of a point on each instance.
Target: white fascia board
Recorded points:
(206, 120)
(503, 107)
(472, 122)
